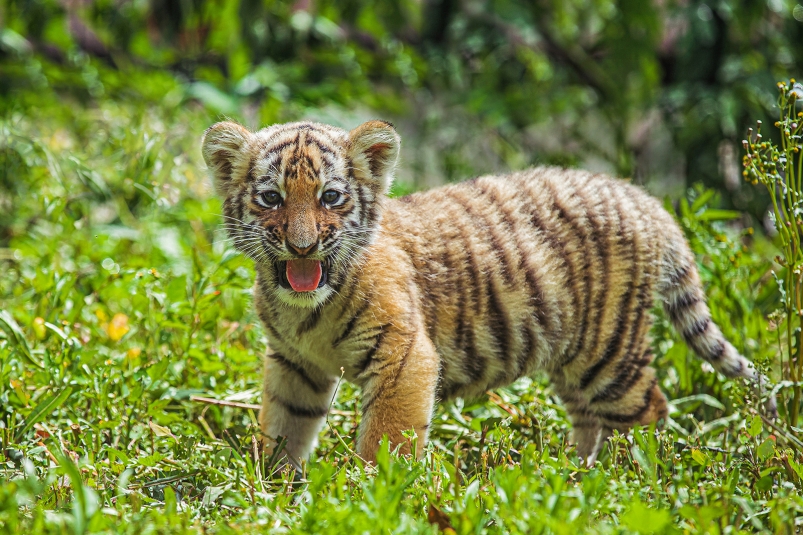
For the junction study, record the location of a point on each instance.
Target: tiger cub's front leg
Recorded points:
(295, 401)
(399, 385)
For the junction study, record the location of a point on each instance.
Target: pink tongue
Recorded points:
(304, 275)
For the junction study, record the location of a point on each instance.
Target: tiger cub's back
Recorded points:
(544, 269)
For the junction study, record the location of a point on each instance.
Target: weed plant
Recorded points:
(779, 167)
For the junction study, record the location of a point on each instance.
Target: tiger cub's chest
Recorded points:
(336, 342)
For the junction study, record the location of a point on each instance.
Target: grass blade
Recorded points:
(9, 325)
(42, 410)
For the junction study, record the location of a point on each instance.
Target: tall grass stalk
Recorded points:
(780, 169)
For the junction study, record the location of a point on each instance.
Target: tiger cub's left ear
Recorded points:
(374, 148)
(223, 148)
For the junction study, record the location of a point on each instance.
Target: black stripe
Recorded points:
(614, 343)
(556, 246)
(675, 309)
(501, 252)
(638, 413)
(464, 335)
(272, 331)
(312, 140)
(716, 354)
(591, 373)
(339, 276)
(678, 276)
(367, 402)
(370, 218)
(498, 322)
(301, 412)
(624, 307)
(537, 298)
(535, 292)
(348, 210)
(497, 319)
(351, 323)
(697, 328)
(474, 363)
(362, 206)
(630, 371)
(369, 355)
(402, 363)
(580, 234)
(384, 387)
(441, 291)
(271, 164)
(601, 246)
(641, 313)
(369, 333)
(314, 385)
(644, 302)
(311, 321)
(527, 349)
(279, 147)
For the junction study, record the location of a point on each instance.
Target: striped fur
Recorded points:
(453, 291)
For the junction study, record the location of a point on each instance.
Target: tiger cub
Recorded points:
(453, 291)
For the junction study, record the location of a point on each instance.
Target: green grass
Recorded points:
(121, 303)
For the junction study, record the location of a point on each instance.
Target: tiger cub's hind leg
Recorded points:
(629, 395)
(588, 433)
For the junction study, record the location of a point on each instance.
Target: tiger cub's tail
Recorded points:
(684, 302)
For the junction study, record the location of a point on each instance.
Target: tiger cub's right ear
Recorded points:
(222, 148)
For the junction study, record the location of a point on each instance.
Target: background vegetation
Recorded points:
(129, 366)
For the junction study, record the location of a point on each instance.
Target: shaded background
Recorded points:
(660, 91)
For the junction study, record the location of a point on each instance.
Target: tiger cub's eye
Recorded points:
(271, 198)
(330, 196)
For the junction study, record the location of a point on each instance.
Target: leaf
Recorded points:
(703, 199)
(213, 98)
(11, 40)
(766, 449)
(700, 457)
(161, 431)
(755, 426)
(151, 460)
(702, 398)
(43, 409)
(61, 334)
(719, 215)
(171, 504)
(19, 389)
(645, 520)
(9, 325)
(764, 484)
(211, 495)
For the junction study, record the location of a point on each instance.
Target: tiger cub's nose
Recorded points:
(302, 251)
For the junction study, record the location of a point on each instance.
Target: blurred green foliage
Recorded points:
(655, 90)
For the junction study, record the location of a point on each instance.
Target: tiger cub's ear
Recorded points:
(374, 148)
(222, 147)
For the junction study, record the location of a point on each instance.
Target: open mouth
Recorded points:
(302, 274)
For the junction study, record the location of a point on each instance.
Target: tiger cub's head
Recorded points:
(302, 199)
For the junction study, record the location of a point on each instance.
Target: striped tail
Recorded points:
(685, 305)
